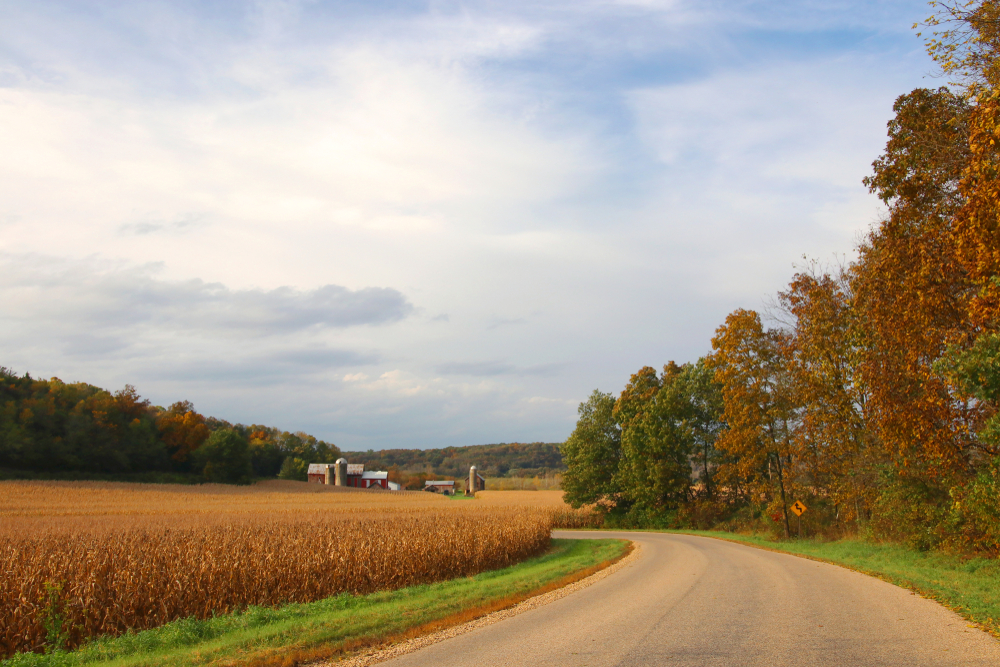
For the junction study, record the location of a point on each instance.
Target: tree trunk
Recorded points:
(784, 502)
(708, 479)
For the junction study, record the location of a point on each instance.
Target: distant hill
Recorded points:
(52, 429)
(514, 459)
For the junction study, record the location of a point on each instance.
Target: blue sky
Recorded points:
(403, 224)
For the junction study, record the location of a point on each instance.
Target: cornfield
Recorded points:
(545, 483)
(560, 514)
(80, 560)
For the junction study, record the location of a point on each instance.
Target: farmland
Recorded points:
(84, 559)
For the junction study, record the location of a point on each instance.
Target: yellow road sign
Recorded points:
(799, 508)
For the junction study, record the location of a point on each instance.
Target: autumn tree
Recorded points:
(911, 291)
(266, 455)
(968, 51)
(182, 431)
(832, 434)
(750, 365)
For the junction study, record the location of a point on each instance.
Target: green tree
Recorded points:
(976, 372)
(698, 400)
(265, 454)
(655, 468)
(591, 454)
(225, 458)
(294, 469)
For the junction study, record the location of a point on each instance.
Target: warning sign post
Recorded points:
(799, 508)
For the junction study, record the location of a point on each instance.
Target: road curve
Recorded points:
(698, 601)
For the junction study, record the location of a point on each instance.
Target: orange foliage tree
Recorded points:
(750, 365)
(912, 292)
(838, 450)
(182, 430)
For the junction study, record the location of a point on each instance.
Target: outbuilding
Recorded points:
(351, 474)
(317, 472)
(370, 479)
(447, 488)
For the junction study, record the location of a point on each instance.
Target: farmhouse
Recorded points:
(447, 488)
(354, 475)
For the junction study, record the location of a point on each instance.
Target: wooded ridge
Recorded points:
(79, 430)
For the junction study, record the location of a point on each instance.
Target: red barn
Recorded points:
(368, 479)
(356, 476)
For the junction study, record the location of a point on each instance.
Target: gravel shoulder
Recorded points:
(384, 654)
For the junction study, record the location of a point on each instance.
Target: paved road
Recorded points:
(698, 601)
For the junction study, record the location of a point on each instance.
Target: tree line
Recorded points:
(77, 429)
(411, 467)
(74, 430)
(869, 391)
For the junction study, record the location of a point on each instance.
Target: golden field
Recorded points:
(72, 505)
(546, 499)
(82, 559)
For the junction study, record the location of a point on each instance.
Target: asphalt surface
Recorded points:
(698, 601)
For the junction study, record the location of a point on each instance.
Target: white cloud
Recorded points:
(88, 296)
(412, 227)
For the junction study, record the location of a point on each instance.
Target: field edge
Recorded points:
(300, 634)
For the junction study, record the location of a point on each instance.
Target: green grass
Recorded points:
(264, 636)
(969, 586)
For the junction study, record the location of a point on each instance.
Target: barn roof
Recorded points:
(319, 468)
(431, 482)
(355, 468)
(371, 474)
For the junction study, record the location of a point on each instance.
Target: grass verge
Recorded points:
(970, 587)
(296, 633)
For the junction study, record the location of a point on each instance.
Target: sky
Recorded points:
(397, 224)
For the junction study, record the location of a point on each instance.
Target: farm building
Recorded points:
(317, 472)
(447, 488)
(476, 482)
(354, 475)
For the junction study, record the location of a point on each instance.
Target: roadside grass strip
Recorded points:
(968, 586)
(299, 633)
